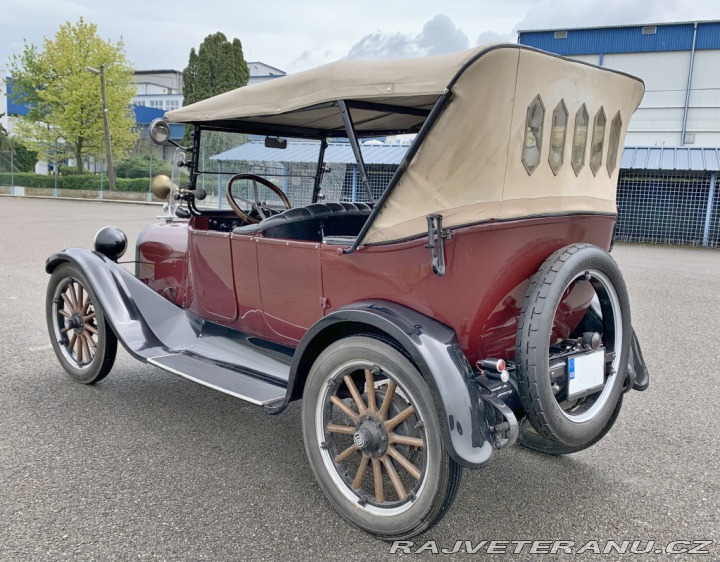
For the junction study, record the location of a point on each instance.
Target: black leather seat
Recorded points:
(312, 222)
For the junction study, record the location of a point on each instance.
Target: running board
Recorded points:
(248, 387)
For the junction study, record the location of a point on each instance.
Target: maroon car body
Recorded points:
(207, 273)
(470, 305)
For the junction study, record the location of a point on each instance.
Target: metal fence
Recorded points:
(341, 182)
(657, 207)
(668, 207)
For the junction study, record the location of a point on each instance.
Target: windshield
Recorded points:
(292, 169)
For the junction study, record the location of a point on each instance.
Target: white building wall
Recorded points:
(704, 110)
(149, 89)
(592, 59)
(165, 102)
(659, 119)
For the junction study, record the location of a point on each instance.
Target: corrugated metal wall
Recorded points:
(674, 37)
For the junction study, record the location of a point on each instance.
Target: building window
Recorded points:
(580, 135)
(557, 137)
(614, 143)
(157, 104)
(139, 103)
(561, 35)
(172, 104)
(649, 30)
(533, 135)
(598, 140)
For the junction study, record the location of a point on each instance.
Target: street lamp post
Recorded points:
(108, 148)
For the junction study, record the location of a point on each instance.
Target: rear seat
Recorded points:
(312, 222)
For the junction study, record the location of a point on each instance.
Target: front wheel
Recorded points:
(373, 439)
(82, 340)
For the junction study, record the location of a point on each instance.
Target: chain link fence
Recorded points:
(667, 207)
(340, 182)
(654, 206)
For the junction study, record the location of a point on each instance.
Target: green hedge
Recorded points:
(27, 179)
(84, 181)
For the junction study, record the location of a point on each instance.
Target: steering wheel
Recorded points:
(257, 205)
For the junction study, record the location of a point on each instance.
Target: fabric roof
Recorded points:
(414, 83)
(469, 163)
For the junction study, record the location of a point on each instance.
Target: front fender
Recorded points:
(434, 349)
(144, 322)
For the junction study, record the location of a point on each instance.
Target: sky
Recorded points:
(294, 35)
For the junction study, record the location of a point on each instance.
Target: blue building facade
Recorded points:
(647, 38)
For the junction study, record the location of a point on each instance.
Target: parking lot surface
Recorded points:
(149, 466)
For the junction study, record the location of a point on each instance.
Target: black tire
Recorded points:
(429, 494)
(583, 424)
(82, 340)
(530, 439)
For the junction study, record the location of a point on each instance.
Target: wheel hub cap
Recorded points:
(370, 436)
(75, 323)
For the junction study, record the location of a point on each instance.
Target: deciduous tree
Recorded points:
(21, 160)
(64, 98)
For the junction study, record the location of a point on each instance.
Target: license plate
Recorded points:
(586, 372)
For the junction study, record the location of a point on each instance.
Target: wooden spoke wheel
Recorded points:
(373, 439)
(82, 340)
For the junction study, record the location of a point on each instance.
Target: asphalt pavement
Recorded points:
(149, 466)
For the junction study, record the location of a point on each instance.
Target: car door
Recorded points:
(290, 286)
(212, 276)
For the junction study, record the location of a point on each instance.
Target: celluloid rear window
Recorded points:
(557, 136)
(614, 143)
(533, 135)
(580, 135)
(598, 138)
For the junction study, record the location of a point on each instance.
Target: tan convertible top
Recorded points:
(415, 83)
(488, 156)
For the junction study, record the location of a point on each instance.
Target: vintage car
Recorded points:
(472, 305)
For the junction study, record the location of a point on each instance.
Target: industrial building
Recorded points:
(678, 61)
(667, 189)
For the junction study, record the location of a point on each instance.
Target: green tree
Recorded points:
(23, 159)
(218, 66)
(64, 98)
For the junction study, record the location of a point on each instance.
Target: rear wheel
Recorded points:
(373, 439)
(545, 348)
(82, 340)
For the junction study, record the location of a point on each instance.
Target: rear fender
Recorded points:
(434, 349)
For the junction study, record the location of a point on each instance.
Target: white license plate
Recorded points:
(586, 372)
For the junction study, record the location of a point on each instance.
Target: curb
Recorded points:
(121, 201)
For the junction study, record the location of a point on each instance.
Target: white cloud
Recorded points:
(294, 35)
(439, 35)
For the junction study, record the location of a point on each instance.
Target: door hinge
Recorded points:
(324, 303)
(436, 237)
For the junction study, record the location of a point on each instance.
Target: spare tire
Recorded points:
(575, 423)
(530, 439)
